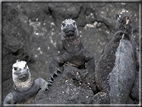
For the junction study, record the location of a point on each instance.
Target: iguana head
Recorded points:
(124, 22)
(69, 29)
(20, 71)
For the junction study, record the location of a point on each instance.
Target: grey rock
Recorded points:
(64, 10)
(135, 90)
(100, 98)
(70, 87)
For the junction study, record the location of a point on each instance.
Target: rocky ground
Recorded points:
(70, 87)
(31, 32)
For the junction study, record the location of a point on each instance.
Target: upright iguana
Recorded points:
(73, 52)
(24, 87)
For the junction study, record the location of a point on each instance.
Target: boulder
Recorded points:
(70, 87)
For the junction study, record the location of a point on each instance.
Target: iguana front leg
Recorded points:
(56, 63)
(90, 63)
(9, 99)
(42, 84)
(54, 66)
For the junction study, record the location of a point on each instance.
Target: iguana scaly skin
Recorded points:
(116, 70)
(24, 87)
(73, 53)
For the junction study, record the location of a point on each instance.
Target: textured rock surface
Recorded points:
(135, 90)
(31, 32)
(71, 87)
(115, 73)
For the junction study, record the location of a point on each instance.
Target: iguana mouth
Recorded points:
(22, 76)
(70, 33)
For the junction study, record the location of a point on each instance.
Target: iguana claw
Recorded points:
(56, 73)
(52, 77)
(46, 89)
(49, 84)
(59, 70)
(50, 81)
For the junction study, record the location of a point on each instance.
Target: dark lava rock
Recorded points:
(135, 90)
(70, 87)
(31, 32)
(61, 11)
(100, 98)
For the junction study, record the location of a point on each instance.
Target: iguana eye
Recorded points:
(15, 68)
(117, 16)
(74, 23)
(25, 67)
(63, 24)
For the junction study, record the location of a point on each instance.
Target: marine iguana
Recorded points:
(116, 70)
(24, 87)
(73, 52)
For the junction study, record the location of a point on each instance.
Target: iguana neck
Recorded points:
(23, 86)
(72, 46)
